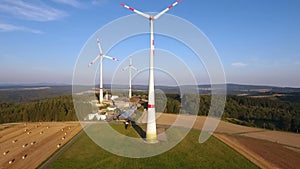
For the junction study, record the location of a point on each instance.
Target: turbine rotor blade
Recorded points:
(92, 62)
(167, 9)
(125, 68)
(111, 58)
(136, 11)
(99, 46)
(134, 68)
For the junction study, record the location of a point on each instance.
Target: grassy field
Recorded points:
(84, 153)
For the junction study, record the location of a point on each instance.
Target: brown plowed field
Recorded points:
(265, 148)
(264, 153)
(28, 145)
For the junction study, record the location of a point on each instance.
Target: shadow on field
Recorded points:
(138, 129)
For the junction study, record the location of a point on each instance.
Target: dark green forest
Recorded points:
(269, 113)
(16, 95)
(274, 114)
(53, 109)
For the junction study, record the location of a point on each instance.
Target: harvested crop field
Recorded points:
(265, 148)
(264, 153)
(26, 145)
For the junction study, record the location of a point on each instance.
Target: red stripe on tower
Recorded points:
(132, 9)
(153, 42)
(151, 106)
(122, 4)
(171, 6)
(179, 1)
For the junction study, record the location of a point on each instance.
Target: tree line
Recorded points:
(53, 109)
(273, 114)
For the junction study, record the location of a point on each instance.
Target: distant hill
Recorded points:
(33, 92)
(260, 88)
(17, 93)
(232, 89)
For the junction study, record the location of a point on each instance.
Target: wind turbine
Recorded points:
(100, 57)
(130, 67)
(151, 135)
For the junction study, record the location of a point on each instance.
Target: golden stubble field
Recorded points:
(26, 145)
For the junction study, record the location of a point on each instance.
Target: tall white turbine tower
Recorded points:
(151, 135)
(130, 67)
(101, 56)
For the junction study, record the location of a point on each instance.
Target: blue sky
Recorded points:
(257, 40)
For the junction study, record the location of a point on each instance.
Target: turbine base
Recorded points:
(151, 138)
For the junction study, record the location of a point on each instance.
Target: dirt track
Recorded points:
(27, 145)
(267, 149)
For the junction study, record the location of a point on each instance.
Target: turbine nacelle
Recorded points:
(130, 67)
(100, 57)
(149, 16)
(151, 135)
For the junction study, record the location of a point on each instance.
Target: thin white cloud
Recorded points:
(73, 3)
(30, 11)
(238, 64)
(9, 27)
(99, 2)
